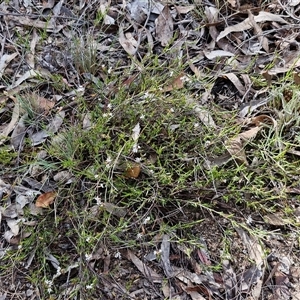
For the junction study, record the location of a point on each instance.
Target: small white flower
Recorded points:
(135, 148)
(58, 271)
(88, 257)
(138, 159)
(146, 220)
(118, 255)
(96, 176)
(88, 239)
(249, 220)
(109, 70)
(142, 117)
(172, 109)
(139, 236)
(49, 284)
(171, 73)
(98, 200)
(108, 162)
(109, 106)
(107, 115)
(89, 286)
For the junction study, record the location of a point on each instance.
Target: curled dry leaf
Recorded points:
(13, 224)
(217, 53)
(258, 31)
(263, 16)
(265, 119)
(236, 146)
(133, 171)
(127, 41)
(236, 81)
(5, 60)
(144, 269)
(164, 26)
(49, 26)
(178, 83)
(293, 2)
(184, 9)
(45, 200)
(135, 136)
(40, 104)
(114, 209)
(19, 132)
(296, 77)
(14, 119)
(52, 127)
(232, 3)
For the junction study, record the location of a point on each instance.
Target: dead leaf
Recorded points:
(230, 280)
(127, 41)
(145, 270)
(165, 256)
(217, 53)
(18, 135)
(178, 83)
(258, 31)
(250, 134)
(236, 145)
(40, 104)
(64, 176)
(262, 119)
(184, 9)
(267, 76)
(139, 10)
(282, 283)
(11, 238)
(232, 3)
(13, 224)
(5, 60)
(40, 136)
(135, 136)
(293, 2)
(45, 200)
(14, 119)
(87, 122)
(275, 220)
(164, 26)
(251, 106)
(25, 76)
(9, 211)
(114, 209)
(263, 16)
(236, 82)
(49, 26)
(255, 253)
(133, 171)
(237, 151)
(296, 77)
